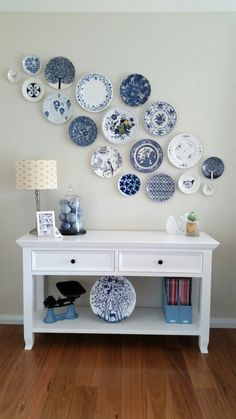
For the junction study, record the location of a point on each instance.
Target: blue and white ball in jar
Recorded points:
(71, 216)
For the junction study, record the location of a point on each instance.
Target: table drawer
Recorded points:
(155, 261)
(77, 261)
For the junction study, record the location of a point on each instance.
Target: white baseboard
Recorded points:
(11, 319)
(223, 323)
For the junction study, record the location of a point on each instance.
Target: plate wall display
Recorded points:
(189, 183)
(213, 167)
(184, 151)
(83, 131)
(59, 72)
(129, 184)
(135, 90)
(33, 90)
(119, 126)
(160, 118)
(146, 155)
(13, 75)
(160, 187)
(31, 64)
(106, 161)
(94, 92)
(208, 188)
(113, 298)
(57, 108)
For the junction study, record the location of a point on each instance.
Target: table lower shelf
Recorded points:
(143, 321)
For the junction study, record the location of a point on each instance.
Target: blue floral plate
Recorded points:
(94, 92)
(160, 118)
(83, 131)
(146, 155)
(135, 90)
(59, 72)
(129, 184)
(57, 108)
(213, 167)
(160, 187)
(106, 162)
(119, 125)
(31, 64)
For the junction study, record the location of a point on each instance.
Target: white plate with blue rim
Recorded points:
(57, 108)
(184, 150)
(94, 92)
(119, 126)
(160, 118)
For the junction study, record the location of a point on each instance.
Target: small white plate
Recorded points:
(189, 183)
(208, 188)
(13, 75)
(33, 90)
(31, 64)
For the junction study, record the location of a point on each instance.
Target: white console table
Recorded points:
(124, 253)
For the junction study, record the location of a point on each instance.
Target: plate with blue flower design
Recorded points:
(160, 187)
(160, 118)
(32, 64)
(83, 131)
(135, 90)
(59, 72)
(184, 150)
(112, 298)
(94, 92)
(33, 90)
(119, 125)
(146, 155)
(106, 161)
(213, 167)
(129, 184)
(57, 108)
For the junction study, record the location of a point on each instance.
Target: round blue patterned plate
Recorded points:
(213, 167)
(160, 187)
(160, 118)
(57, 108)
(112, 298)
(33, 89)
(135, 90)
(31, 64)
(94, 92)
(83, 131)
(129, 184)
(146, 155)
(119, 125)
(106, 162)
(59, 72)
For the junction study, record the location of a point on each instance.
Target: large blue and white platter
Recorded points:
(32, 64)
(135, 90)
(83, 131)
(160, 187)
(184, 151)
(160, 118)
(33, 89)
(213, 167)
(106, 161)
(146, 155)
(57, 108)
(59, 72)
(129, 184)
(119, 126)
(113, 298)
(94, 92)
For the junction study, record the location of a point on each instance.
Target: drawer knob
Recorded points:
(72, 261)
(160, 262)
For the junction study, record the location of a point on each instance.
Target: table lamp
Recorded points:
(36, 175)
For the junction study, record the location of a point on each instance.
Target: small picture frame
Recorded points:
(45, 222)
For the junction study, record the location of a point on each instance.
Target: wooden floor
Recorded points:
(117, 377)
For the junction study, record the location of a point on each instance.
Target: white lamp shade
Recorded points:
(36, 174)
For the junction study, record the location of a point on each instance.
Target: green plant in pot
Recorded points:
(192, 224)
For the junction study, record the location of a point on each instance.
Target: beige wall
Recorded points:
(189, 60)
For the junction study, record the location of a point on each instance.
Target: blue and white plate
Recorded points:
(129, 184)
(113, 298)
(135, 90)
(213, 167)
(146, 155)
(160, 118)
(31, 64)
(33, 90)
(189, 183)
(160, 187)
(59, 72)
(119, 126)
(106, 162)
(83, 131)
(57, 108)
(94, 92)
(184, 151)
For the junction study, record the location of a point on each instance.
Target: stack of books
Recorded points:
(177, 300)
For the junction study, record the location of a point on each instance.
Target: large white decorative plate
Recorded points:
(184, 151)
(129, 184)
(160, 118)
(13, 75)
(135, 90)
(57, 108)
(189, 183)
(106, 162)
(146, 155)
(119, 126)
(113, 298)
(83, 131)
(32, 64)
(160, 187)
(59, 72)
(213, 167)
(94, 92)
(33, 90)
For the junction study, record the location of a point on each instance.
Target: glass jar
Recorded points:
(192, 228)
(71, 214)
